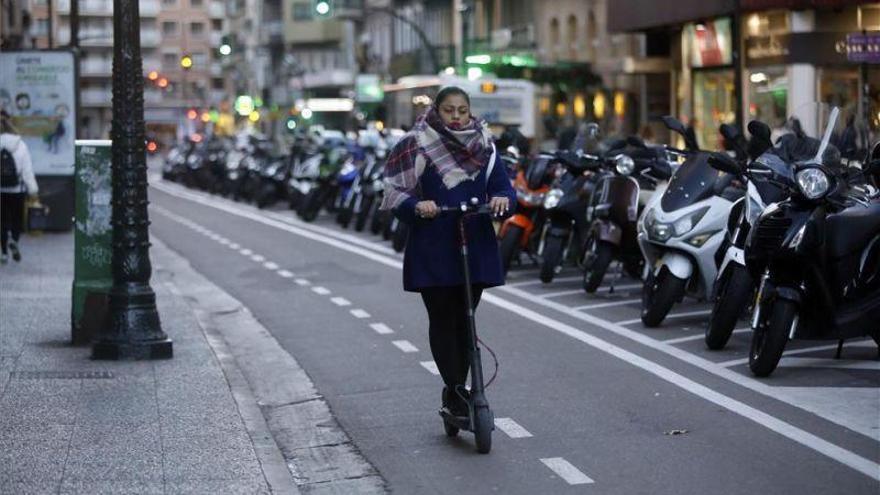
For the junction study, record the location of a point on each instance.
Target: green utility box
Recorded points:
(92, 270)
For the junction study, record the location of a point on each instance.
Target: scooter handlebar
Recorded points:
(472, 206)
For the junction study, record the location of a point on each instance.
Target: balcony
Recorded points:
(88, 7)
(522, 36)
(88, 37)
(272, 32)
(150, 38)
(149, 8)
(217, 10)
(215, 39)
(95, 97)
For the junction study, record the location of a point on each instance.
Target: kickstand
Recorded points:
(839, 349)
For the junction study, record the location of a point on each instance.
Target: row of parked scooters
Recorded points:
(786, 229)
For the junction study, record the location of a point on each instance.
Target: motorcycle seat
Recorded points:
(852, 228)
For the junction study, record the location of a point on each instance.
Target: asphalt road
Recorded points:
(587, 400)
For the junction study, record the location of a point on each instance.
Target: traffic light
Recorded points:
(225, 48)
(322, 8)
(186, 62)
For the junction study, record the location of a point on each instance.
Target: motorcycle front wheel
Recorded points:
(597, 259)
(363, 214)
(552, 257)
(768, 343)
(311, 205)
(659, 294)
(735, 289)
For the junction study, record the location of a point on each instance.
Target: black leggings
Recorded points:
(448, 330)
(11, 217)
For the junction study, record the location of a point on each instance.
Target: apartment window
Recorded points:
(41, 28)
(200, 60)
(169, 28)
(195, 3)
(169, 60)
(302, 11)
(169, 3)
(197, 28)
(217, 83)
(217, 24)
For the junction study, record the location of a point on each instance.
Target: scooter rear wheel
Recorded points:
(483, 429)
(597, 264)
(733, 295)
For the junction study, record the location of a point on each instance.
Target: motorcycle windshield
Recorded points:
(694, 181)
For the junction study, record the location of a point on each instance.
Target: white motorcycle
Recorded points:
(681, 230)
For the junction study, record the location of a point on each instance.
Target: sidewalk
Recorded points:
(192, 424)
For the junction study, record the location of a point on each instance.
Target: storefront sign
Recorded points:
(812, 48)
(863, 48)
(37, 89)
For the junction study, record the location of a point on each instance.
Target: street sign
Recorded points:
(863, 48)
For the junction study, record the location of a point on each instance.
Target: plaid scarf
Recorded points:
(457, 155)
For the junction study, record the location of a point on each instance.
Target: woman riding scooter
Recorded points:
(446, 159)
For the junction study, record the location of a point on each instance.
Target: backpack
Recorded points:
(9, 176)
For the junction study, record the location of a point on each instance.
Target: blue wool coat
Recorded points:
(432, 257)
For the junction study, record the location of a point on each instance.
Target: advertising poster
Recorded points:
(37, 89)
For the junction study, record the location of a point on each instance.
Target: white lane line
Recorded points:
(302, 282)
(848, 458)
(623, 302)
(842, 364)
(381, 328)
(285, 273)
(225, 242)
(258, 258)
(234, 245)
(270, 265)
(405, 346)
(246, 252)
(323, 291)
(359, 313)
(555, 280)
(430, 366)
(700, 336)
(793, 352)
(340, 301)
(670, 316)
(511, 428)
(569, 473)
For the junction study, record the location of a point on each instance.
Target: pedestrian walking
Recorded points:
(16, 182)
(448, 157)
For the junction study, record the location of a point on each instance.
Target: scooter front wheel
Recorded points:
(769, 342)
(553, 249)
(483, 429)
(596, 264)
(734, 292)
(659, 295)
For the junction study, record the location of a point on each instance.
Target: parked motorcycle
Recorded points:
(323, 188)
(681, 230)
(273, 181)
(615, 207)
(817, 255)
(522, 230)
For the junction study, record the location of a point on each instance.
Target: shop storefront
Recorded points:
(707, 49)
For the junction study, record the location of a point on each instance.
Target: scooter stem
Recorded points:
(474, 351)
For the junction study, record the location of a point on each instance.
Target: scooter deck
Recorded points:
(460, 422)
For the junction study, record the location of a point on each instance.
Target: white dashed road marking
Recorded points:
(511, 428)
(381, 328)
(430, 366)
(270, 265)
(323, 291)
(359, 313)
(285, 274)
(234, 245)
(569, 473)
(259, 258)
(303, 282)
(341, 301)
(246, 252)
(405, 346)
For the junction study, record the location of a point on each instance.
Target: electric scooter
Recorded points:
(480, 419)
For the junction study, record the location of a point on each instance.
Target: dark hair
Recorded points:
(450, 91)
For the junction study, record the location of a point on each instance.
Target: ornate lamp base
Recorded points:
(133, 330)
(116, 351)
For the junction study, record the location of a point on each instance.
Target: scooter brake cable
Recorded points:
(494, 358)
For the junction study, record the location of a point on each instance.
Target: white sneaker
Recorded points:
(16, 254)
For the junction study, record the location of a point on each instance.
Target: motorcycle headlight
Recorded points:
(552, 198)
(624, 164)
(687, 223)
(812, 182)
(660, 231)
(700, 239)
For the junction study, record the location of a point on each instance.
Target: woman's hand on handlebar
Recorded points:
(499, 205)
(427, 209)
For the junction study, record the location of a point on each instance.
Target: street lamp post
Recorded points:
(133, 330)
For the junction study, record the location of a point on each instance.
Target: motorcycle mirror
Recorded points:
(759, 130)
(724, 163)
(673, 124)
(730, 132)
(513, 151)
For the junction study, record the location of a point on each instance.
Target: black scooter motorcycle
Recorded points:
(817, 256)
